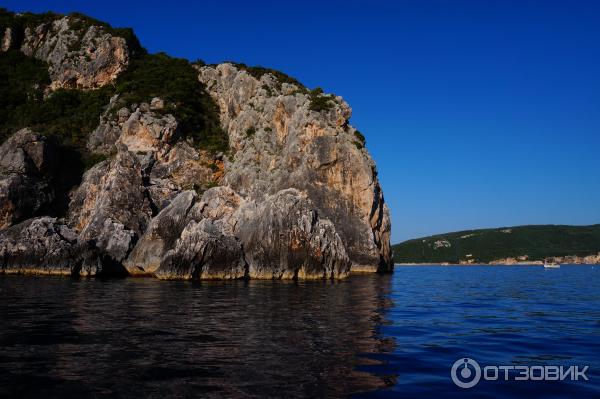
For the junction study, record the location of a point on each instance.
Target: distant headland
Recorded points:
(529, 244)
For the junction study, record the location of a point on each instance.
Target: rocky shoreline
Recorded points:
(296, 196)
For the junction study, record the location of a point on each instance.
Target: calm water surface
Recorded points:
(368, 336)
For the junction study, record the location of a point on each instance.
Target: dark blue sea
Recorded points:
(375, 336)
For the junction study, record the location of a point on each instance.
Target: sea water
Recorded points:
(368, 336)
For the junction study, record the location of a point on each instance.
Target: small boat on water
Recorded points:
(551, 265)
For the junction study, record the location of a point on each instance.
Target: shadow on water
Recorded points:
(147, 338)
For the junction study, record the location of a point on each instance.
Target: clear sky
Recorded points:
(478, 113)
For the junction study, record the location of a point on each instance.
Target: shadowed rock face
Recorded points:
(110, 209)
(284, 237)
(41, 246)
(205, 253)
(83, 58)
(112, 189)
(278, 142)
(222, 236)
(161, 235)
(26, 160)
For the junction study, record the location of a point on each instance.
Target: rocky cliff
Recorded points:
(294, 194)
(279, 141)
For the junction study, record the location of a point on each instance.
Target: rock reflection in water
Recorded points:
(149, 338)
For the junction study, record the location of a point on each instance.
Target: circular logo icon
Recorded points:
(465, 372)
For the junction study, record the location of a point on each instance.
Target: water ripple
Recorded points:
(369, 336)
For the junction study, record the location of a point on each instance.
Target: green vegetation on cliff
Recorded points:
(485, 245)
(176, 81)
(70, 115)
(67, 117)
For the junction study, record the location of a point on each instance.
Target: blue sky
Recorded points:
(478, 113)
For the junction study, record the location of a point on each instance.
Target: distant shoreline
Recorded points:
(490, 264)
(515, 245)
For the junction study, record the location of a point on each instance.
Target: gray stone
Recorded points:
(110, 208)
(297, 196)
(160, 236)
(8, 39)
(170, 166)
(157, 103)
(284, 238)
(77, 59)
(295, 147)
(40, 246)
(203, 253)
(115, 241)
(26, 162)
(219, 205)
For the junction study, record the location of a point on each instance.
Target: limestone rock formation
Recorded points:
(576, 260)
(220, 205)
(8, 38)
(279, 142)
(203, 252)
(110, 209)
(283, 237)
(26, 160)
(295, 197)
(112, 189)
(223, 236)
(169, 166)
(160, 236)
(40, 246)
(79, 55)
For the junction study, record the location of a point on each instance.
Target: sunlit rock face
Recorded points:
(78, 55)
(278, 142)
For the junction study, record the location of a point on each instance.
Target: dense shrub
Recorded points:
(67, 114)
(21, 83)
(72, 114)
(319, 101)
(360, 137)
(175, 81)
